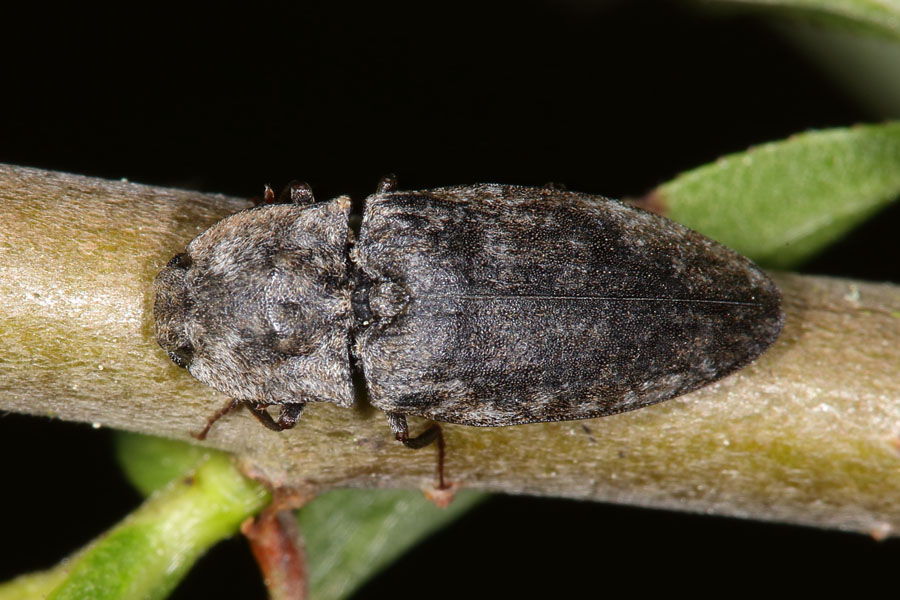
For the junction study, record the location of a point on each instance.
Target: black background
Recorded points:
(606, 97)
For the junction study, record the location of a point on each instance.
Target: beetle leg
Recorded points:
(434, 433)
(290, 414)
(230, 406)
(259, 411)
(268, 195)
(401, 432)
(287, 419)
(297, 192)
(388, 183)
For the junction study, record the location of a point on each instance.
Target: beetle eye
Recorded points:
(180, 261)
(182, 356)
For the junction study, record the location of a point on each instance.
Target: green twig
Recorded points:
(148, 553)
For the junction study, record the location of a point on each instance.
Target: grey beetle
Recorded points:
(482, 305)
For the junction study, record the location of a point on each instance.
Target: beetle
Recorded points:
(484, 305)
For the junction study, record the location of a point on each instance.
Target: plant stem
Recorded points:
(808, 434)
(147, 554)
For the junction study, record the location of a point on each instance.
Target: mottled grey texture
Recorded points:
(527, 305)
(262, 307)
(481, 305)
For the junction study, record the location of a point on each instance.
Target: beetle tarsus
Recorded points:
(434, 433)
(290, 414)
(388, 183)
(297, 192)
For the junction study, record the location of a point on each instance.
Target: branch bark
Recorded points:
(808, 434)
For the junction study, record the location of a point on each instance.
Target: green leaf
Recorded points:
(854, 41)
(863, 66)
(877, 15)
(352, 534)
(783, 202)
(152, 462)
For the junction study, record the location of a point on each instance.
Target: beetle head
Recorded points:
(209, 317)
(259, 305)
